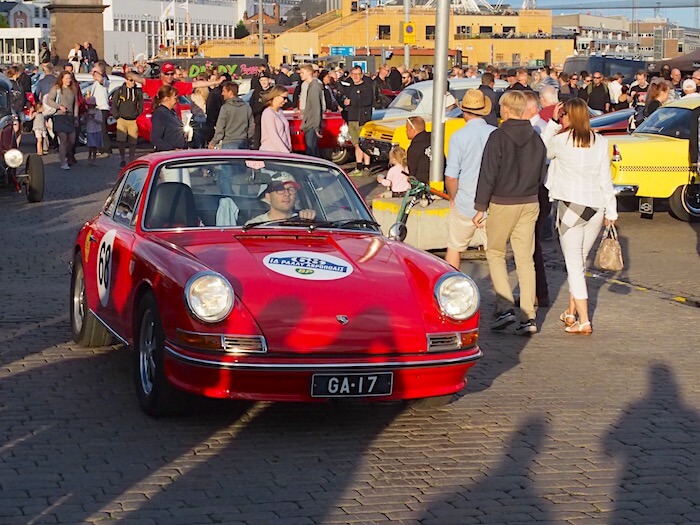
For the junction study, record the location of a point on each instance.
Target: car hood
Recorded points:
(319, 292)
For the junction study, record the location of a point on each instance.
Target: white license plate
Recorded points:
(352, 385)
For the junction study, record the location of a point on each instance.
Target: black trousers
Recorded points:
(541, 288)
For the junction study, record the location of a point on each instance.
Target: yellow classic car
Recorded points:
(660, 159)
(378, 136)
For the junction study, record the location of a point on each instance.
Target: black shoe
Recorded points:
(526, 328)
(503, 320)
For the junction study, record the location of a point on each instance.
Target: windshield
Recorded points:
(669, 122)
(407, 100)
(253, 192)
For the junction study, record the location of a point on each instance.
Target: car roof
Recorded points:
(456, 83)
(685, 102)
(191, 154)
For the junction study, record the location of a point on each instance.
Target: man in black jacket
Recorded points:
(419, 154)
(127, 105)
(258, 106)
(486, 87)
(359, 96)
(214, 102)
(512, 169)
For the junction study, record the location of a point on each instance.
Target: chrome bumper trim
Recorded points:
(109, 328)
(291, 367)
(625, 190)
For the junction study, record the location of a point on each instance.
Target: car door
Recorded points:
(112, 242)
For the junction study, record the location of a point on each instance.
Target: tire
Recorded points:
(684, 204)
(35, 178)
(82, 137)
(155, 394)
(336, 155)
(86, 329)
(430, 403)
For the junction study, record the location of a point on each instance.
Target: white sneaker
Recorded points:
(65, 166)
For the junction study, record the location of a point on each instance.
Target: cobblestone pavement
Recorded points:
(551, 429)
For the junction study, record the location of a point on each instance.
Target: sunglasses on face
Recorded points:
(291, 191)
(598, 78)
(169, 74)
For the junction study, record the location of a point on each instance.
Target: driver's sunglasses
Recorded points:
(169, 74)
(291, 191)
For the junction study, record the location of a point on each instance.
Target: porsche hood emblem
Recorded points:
(342, 319)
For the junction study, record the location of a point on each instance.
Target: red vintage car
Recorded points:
(262, 276)
(614, 123)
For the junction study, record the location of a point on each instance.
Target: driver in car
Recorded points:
(281, 195)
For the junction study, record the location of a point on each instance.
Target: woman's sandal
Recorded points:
(579, 328)
(567, 318)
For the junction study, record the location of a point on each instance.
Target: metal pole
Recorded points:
(367, 26)
(189, 33)
(260, 29)
(437, 142)
(407, 19)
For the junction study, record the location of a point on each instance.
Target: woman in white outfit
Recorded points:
(579, 179)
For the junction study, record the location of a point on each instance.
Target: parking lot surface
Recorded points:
(555, 428)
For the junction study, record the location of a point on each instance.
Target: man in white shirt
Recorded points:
(99, 92)
(615, 88)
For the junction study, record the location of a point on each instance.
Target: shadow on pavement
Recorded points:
(657, 444)
(505, 494)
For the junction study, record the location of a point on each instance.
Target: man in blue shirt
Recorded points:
(462, 172)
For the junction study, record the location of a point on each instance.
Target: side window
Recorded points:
(111, 202)
(129, 197)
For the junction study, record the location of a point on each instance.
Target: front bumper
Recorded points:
(268, 378)
(377, 149)
(625, 190)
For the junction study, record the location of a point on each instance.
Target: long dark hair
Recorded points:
(163, 92)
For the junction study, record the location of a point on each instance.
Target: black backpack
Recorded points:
(17, 98)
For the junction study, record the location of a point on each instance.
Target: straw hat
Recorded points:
(476, 103)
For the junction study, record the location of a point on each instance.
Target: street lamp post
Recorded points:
(260, 29)
(367, 24)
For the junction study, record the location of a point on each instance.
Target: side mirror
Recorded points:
(398, 231)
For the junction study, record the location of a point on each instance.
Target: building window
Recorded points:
(384, 32)
(508, 30)
(485, 29)
(430, 32)
(462, 32)
(36, 12)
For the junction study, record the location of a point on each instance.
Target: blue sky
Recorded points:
(685, 17)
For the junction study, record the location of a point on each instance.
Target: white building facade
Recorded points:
(133, 28)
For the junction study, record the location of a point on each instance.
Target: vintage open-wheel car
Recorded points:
(22, 173)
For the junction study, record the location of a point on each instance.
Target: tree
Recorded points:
(240, 31)
(4, 22)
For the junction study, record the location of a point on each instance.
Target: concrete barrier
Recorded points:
(427, 227)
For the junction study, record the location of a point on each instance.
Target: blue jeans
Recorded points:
(311, 141)
(235, 144)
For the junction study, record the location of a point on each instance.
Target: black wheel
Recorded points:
(35, 178)
(429, 403)
(685, 203)
(82, 136)
(336, 155)
(156, 396)
(87, 330)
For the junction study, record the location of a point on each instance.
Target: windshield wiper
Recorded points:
(289, 221)
(355, 222)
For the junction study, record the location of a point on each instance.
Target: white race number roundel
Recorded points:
(310, 266)
(104, 266)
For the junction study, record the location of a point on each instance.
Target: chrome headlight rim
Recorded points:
(215, 317)
(438, 296)
(13, 158)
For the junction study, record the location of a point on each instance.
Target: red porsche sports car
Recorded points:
(263, 276)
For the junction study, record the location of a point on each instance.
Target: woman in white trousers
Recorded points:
(579, 179)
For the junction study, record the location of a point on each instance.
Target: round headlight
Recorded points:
(209, 296)
(14, 158)
(457, 295)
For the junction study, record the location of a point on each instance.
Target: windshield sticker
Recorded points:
(104, 266)
(310, 266)
(255, 164)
